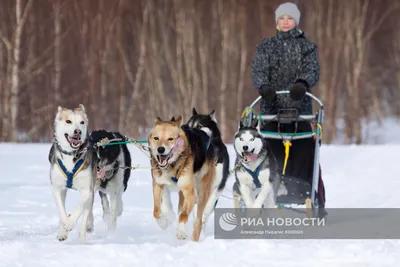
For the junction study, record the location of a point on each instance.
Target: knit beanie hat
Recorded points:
(289, 9)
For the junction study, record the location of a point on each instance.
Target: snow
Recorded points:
(355, 176)
(373, 131)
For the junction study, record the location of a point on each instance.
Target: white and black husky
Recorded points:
(113, 172)
(257, 180)
(208, 123)
(72, 165)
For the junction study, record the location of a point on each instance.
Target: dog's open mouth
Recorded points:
(74, 141)
(163, 159)
(249, 156)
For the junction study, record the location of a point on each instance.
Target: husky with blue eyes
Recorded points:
(257, 180)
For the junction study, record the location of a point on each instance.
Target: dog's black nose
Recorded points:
(161, 149)
(77, 132)
(245, 148)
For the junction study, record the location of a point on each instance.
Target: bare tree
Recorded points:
(330, 52)
(224, 15)
(13, 44)
(131, 61)
(361, 29)
(242, 25)
(204, 51)
(135, 81)
(57, 50)
(395, 94)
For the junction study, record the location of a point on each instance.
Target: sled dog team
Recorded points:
(189, 158)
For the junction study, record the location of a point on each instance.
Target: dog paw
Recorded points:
(89, 227)
(62, 237)
(89, 224)
(181, 234)
(68, 225)
(282, 191)
(163, 222)
(119, 213)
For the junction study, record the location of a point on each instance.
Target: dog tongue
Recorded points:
(101, 173)
(251, 156)
(75, 141)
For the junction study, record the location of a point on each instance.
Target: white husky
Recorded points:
(72, 166)
(256, 172)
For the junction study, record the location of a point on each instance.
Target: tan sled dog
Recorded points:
(182, 161)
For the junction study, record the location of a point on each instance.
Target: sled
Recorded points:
(300, 192)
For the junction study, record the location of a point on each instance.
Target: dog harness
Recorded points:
(71, 175)
(173, 178)
(255, 174)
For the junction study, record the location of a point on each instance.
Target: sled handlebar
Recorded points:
(287, 92)
(301, 117)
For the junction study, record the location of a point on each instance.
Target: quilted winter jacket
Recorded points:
(280, 62)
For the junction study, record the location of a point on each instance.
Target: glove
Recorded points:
(298, 91)
(267, 93)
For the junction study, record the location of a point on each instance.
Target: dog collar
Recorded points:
(76, 153)
(63, 151)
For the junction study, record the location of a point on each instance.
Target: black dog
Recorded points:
(111, 174)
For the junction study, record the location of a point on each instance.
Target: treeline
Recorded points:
(129, 61)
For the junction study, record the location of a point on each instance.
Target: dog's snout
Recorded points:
(161, 149)
(245, 148)
(77, 132)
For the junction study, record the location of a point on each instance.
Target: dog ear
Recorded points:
(212, 115)
(173, 118)
(82, 107)
(255, 123)
(59, 108)
(158, 120)
(178, 121)
(194, 112)
(240, 125)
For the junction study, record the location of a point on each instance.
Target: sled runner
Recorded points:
(300, 171)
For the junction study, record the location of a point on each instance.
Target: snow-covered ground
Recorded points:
(355, 176)
(373, 132)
